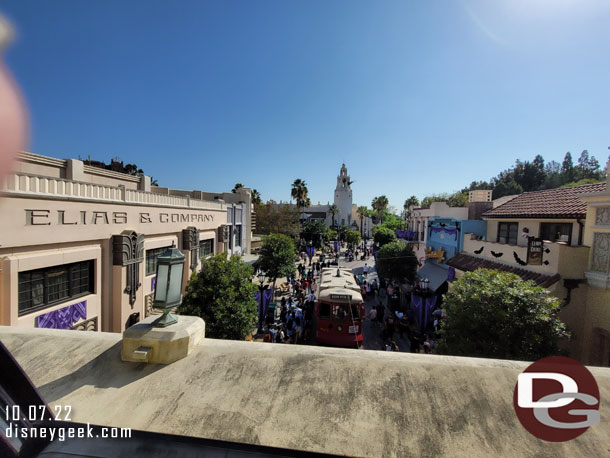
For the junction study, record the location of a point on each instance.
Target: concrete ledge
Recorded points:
(342, 401)
(144, 343)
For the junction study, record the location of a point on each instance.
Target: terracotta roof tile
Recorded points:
(551, 203)
(469, 263)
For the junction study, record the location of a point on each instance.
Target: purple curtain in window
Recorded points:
(63, 318)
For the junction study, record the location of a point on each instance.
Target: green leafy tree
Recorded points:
(277, 256)
(392, 222)
(333, 235)
(314, 231)
(277, 219)
(457, 199)
(553, 175)
(582, 182)
(506, 188)
(133, 169)
(334, 211)
(495, 314)
(223, 295)
(567, 169)
(236, 187)
(342, 231)
(353, 237)
(396, 261)
(384, 235)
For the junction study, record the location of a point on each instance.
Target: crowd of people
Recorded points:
(293, 323)
(296, 310)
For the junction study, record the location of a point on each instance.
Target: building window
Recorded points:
(508, 233)
(151, 259)
(556, 232)
(42, 288)
(206, 248)
(237, 236)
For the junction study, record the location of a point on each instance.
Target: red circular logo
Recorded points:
(556, 399)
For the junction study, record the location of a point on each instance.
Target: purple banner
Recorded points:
(416, 306)
(267, 296)
(406, 235)
(63, 318)
(449, 231)
(451, 274)
(430, 304)
(336, 245)
(310, 251)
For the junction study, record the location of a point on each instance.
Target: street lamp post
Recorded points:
(261, 289)
(425, 289)
(168, 285)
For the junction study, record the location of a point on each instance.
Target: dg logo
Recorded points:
(556, 399)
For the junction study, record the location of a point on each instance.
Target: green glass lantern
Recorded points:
(168, 285)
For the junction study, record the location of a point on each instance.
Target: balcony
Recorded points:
(557, 257)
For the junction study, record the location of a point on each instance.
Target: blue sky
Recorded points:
(415, 97)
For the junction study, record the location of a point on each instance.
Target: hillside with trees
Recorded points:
(528, 176)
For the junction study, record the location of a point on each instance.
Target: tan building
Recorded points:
(544, 236)
(78, 244)
(596, 329)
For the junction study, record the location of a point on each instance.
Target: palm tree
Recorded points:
(411, 201)
(299, 193)
(380, 204)
(236, 187)
(333, 210)
(363, 212)
(256, 197)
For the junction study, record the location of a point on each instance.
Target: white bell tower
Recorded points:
(343, 198)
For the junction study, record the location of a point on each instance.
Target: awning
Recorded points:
(435, 273)
(468, 263)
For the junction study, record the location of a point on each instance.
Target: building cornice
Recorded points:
(40, 159)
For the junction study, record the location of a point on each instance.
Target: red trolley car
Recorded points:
(339, 310)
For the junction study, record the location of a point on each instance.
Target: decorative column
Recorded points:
(127, 254)
(190, 245)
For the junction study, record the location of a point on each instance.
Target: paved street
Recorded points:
(371, 331)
